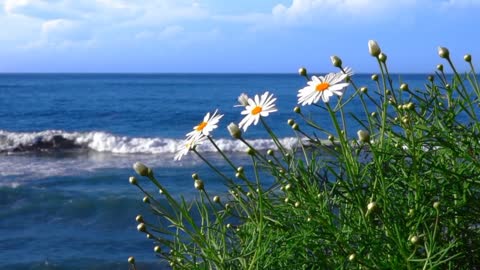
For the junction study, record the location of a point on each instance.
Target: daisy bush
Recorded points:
(402, 192)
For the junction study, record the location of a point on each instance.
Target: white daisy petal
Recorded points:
(323, 88)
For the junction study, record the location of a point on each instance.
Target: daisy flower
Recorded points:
(322, 87)
(259, 106)
(189, 144)
(208, 124)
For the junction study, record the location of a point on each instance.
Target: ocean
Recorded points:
(68, 142)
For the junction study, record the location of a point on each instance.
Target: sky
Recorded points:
(247, 36)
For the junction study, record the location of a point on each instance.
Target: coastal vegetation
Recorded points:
(402, 192)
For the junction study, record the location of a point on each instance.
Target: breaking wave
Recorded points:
(99, 141)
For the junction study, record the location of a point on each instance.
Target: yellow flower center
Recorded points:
(257, 110)
(322, 86)
(201, 126)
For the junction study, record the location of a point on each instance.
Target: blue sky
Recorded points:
(232, 36)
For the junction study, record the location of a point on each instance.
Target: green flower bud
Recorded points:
(372, 206)
(160, 191)
(133, 180)
(373, 114)
(467, 58)
(382, 57)
(404, 87)
(195, 176)
(373, 48)
(149, 236)
(286, 200)
(414, 239)
(139, 219)
(131, 260)
(443, 52)
(363, 136)
(363, 89)
(270, 152)
(351, 257)
(331, 138)
(157, 249)
(302, 71)
(440, 67)
(234, 131)
(295, 126)
(436, 205)
(240, 169)
(297, 204)
(336, 61)
(290, 122)
(198, 184)
(374, 77)
(146, 199)
(297, 109)
(140, 168)
(141, 227)
(288, 187)
(250, 151)
(430, 78)
(216, 199)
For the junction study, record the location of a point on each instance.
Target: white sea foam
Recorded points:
(105, 142)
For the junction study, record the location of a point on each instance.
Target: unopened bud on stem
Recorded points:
(443, 52)
(302, 71)
(373, 48)
(234, 131)
(140, 168)
(336, 61)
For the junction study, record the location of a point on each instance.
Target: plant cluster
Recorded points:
(402, 193)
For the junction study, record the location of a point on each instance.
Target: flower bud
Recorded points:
(243, 99)
(133, 180)
(330, 138)
(372, 206)
(146, 199)
(198, 184)
(250, 151)
(443, 52)
(139, 219)
(238, 175)
(336, 61)
(410, 106)
(382, 57)
(140, 168)
(436, 205)
(290, 122)
(363, 89)
(288, 187)
(286, 200)
(351, 257)
(297, 204)
(195, 176)
(440, 67)
(297, 109)
(141, 227)
(309, 219)
(404, 87)
(374, 77)
(216, 199)
(302, 71)
(363, 136)
(373, 114)
(157, 249)
(388, 92)
(149, 236)
(160, 191)
(234, 131)
(270, 152)
(131, 260)
(430, 78)
(414, 239)
(295, 126)
(467, 58)
(373, 48)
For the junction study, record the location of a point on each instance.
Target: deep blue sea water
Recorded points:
(69, 205)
